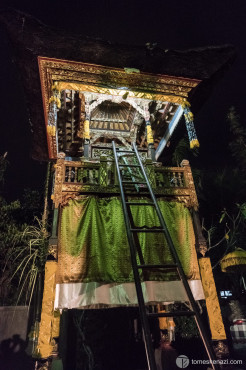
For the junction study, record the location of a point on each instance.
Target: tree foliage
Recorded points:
(224, 198)
(237, 144)
(22, 244)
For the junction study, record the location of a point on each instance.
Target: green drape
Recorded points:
(93, 243)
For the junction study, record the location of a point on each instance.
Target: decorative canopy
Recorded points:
(154, 75)
(234, 262)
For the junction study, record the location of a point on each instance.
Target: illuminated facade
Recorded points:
(86, 107)
(90, 100)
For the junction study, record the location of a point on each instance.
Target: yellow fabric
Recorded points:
(212, 302)
(236, 258)
(45, 347)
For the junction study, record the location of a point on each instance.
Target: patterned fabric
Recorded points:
(93, 244)
(238, 331)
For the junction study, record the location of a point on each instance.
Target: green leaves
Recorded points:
(28, 258)
(183, 151)
(23, 244)
(237, 144)
(222, 216)
(242, 208)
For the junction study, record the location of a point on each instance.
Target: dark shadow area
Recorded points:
(13, 355)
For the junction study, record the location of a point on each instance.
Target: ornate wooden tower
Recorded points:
(94, 93)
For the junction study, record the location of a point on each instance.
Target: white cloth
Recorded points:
(99, 295)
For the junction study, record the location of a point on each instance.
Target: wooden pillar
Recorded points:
(207, 278)
(87, 137)
(49, 324)
(50, 318)
(86, 133)
(84, 116)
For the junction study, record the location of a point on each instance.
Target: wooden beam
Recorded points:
(171, 127)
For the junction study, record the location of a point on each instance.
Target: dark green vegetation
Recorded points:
(23, 243)
(222, 195)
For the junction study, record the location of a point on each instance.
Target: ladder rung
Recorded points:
(151, 267)
(172, 314)
(129, 165)
(125, 151)
(133, 182)
(141, 190)
(140, 204)
(138, 230)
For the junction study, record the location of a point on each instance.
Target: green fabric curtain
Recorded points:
(94, 247)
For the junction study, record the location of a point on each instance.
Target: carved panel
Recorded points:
(190, 184)
(212, 302)
(59, 179)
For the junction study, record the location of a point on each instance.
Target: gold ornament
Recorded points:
(48, 317)
(150, 139)
(234, 261)
(87, 129)
(212, 302)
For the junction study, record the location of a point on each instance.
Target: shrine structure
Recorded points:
(94, 93)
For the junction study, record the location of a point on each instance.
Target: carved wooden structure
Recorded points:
(86, 107)
(95, 92)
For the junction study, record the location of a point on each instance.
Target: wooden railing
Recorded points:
(99, 176)
(104, 174)
(76, 173)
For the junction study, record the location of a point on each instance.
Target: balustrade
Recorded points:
(79, 174)
(99, 176)
(173, 177)
(102, 174)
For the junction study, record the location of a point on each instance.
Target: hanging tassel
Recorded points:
(189, 121)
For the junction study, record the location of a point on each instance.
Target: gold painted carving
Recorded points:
(190, 184)
(150, 139)
(82, 115)
(94, 182)
(212, 302)
(53, 250)
(49, 319)
(66, 196)
(85, 77)
(59, 179)
(56, 324)
(108, 75)
(52, 141)
(176, 99)
(87, 129)
(201, 244)
(221, 350)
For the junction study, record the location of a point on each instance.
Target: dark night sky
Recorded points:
(172, 24)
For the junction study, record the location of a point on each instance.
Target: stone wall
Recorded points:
(13, 322)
